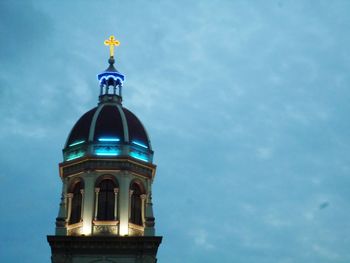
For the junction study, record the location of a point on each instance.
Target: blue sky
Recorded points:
(246, 103)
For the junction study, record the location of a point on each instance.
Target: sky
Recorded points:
(246, 104)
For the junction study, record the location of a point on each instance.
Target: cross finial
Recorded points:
(111, 42)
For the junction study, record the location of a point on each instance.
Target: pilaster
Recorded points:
(97, 191)
(87, 204)
(116, 191)
(149, 217)
(124, 203)
(61, 220)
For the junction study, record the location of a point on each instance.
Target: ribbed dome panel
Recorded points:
(80, 131)
(136, 130)
(107, 121)
(109, 124)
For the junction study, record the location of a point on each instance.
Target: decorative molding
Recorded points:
(107, 164)
(104, 245)
(105, 230)
(138, 227)
(107, 222)
(135, 230)
(74, 231)
(76, 225)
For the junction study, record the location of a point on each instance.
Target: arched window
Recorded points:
(106, 200)
(75, 214)
(136, 205)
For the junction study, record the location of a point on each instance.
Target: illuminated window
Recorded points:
(106, 199)
(135, 213)
(75, 215)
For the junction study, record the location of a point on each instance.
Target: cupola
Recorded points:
(109, 129)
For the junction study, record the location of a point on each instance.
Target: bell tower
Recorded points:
(105, 213)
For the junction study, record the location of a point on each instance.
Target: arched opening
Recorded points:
(75, 214)
(106, 200)
(136, 205)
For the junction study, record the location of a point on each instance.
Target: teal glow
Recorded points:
(104, 152)
(76, 143)
(140, 144)
(139, 156)
(107, 153)
(73, 156)
(109, 139)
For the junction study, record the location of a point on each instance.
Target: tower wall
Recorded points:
(91, 240)
(89, 172)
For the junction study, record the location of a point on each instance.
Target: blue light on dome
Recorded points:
(105, 76)
(76, 143)
(139, 156)
(107, 153)
(115, 77)
(109, 139)
(139, 144)
(75, 155)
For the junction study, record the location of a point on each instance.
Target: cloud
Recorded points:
(24, 28)
(325, 253)
(323, 205)
(201, 239)
(264, 152)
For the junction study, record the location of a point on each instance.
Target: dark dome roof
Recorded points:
(109, 121)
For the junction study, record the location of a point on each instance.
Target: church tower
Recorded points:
(105, 213)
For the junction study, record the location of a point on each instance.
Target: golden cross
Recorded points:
(111, 42)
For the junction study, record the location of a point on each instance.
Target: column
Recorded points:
(143, 199)
(116, 190)
(149, 217)
(124, 204)
(130, 195)
(114, 88)
(89, 195)
(69, 196)
(97, 191)
(82, 204)
(61, 220)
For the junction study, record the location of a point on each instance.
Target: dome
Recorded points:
(109, 122)
(108, 130)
